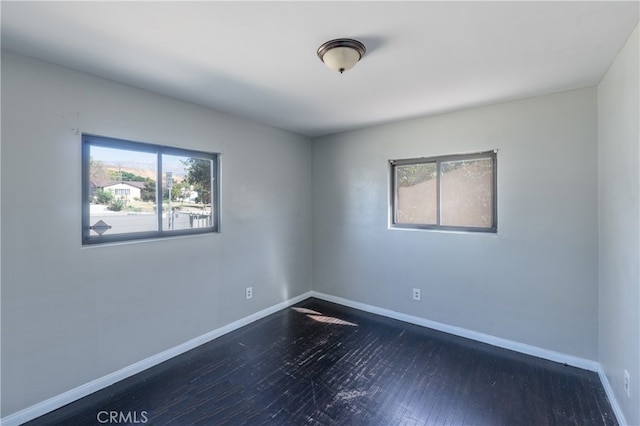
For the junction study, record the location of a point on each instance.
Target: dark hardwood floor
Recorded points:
(324, 364)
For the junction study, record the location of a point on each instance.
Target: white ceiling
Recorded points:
(258, 59)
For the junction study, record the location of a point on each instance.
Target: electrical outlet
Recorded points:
(416, 294)
(627, 383)
(248, 293)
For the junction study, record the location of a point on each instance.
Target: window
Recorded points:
(455, 192)
(134, 190)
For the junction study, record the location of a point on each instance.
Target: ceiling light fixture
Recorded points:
(341, 54)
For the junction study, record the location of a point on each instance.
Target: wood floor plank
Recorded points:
(324, 364)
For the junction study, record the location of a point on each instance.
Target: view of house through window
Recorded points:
(135, 190)
(455, 192)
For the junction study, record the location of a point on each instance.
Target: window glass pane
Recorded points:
(466, 193)
(122, 191)
(124, 201)
(416, 194)
(190, 185)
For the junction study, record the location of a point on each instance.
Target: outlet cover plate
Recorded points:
(416, 294)
(627, 383)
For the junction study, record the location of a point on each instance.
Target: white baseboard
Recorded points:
(612, 397)
(72, 395)
(560, 357)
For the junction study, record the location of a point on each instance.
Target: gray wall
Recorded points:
(72, 314)
(534, 282)
(619, 225)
